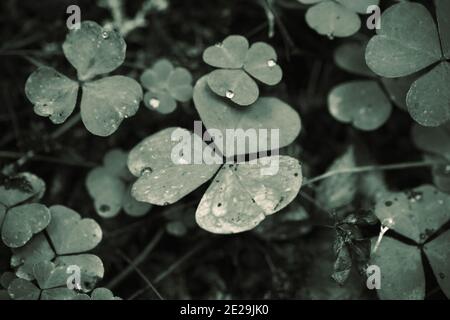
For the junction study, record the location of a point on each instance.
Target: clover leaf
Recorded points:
(237, 200)
(266, 113)
(166, 85)
(47, 259)
(363, 103)
(21, 289)
(409, 41)
(109, 186)
(336, 18)
(19, 219)
(92, 51)
(238, 63)
(417, 214)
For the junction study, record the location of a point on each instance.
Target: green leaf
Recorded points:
(53, 94)
(24, 258)
(398, 88)
(359, 6)
(333, 20)
(91, 268)
(106, 102)
(107, 191)
(266, 113)
(71, 234)
(261, 63)
(20, 188)
(235, 85)
(442, 10)
(350, 57)
(157, 77)
(115, 162)
(179, 85)
(340, 189)
(22, 222)
(433, 140)
(428, 99)
(133, 207)
(162, 181)
(160, 101)
(241, 195)
(438, 254)
(415, 214)
(441, 177)
(402, 275)
(407, 42)
(93, 50)
(361, 103)
(228, 54)
(20, 289)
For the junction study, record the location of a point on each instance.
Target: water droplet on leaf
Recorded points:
(154, 103)
(271, 63)
(229, 94)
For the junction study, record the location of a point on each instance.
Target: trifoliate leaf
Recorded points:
(53, 94)
(407, 42)
(350, 57)
(438, 254)
(266, 113)
(361, 103)
(333, 20)
(428, 99)
(24, 258)
(22, 222)
(261, 63)
(160, 101)
(91, 268)
(133, 207)
(20, 289)
(442, 10)
(71, 234)
(243, 194)
(20, 188)
(106, 190)
(93, 50)
(340, 189)
(179, 84)
(433, 140)
(106, 102)
(402, 275)
(157, 76)
(415, 214)
(167, 167)
(230, 53)
(235, 85)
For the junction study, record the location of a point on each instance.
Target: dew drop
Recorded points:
(271, 63)
(219, 45)
(154, 103)
(147, 170)
(229, 94)
(105, 35)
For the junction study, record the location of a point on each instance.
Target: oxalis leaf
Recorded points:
(238, 62)
(415, 214)
(93, 50)
(362, 103)
(70, 234)
(407, 42)
(266, 113)
(432, 140)
(109, 185)
(160, 180)
(240, 197)
(166, 85)
(350, 57)
(105, 102)
(438, 254)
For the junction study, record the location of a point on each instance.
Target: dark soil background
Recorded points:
(198, 264)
